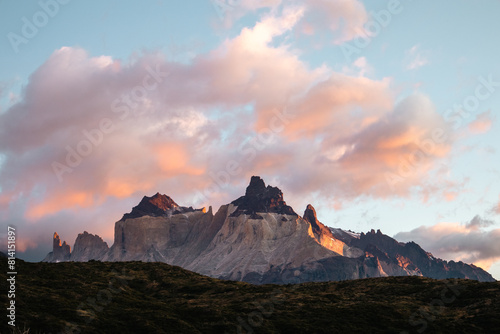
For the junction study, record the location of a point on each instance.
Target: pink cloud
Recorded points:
(482, 123)
(118, 130)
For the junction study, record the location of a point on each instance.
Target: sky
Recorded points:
(383, 115)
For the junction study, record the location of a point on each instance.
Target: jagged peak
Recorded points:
(320, 231)
(310, 215)
(86, 234)
(57, 242)
(161, 201)
(60, 251)
(256, 187)
(259, 198)
(156, 205)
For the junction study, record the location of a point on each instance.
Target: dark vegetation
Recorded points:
(135, 297)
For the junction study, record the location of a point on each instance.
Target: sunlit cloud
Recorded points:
(88, 131)
(482, 123)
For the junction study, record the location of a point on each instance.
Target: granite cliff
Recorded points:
(259, 239)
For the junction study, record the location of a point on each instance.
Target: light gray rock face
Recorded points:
(245, 248)
(220, 245)
(88, 247)
(263, 241)
(173, 239)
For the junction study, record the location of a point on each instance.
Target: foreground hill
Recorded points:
(138, 297)
(258, 239)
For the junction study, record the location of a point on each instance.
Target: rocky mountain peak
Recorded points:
(259, 198)
(310, 216)
(321, 233)
(88, 247)
(156, 205)
(61, 252)
(257, 187)
(56, 240)
(162, 201)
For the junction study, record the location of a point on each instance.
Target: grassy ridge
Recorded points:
(135, 297)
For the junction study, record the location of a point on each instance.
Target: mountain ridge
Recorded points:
(259, 239)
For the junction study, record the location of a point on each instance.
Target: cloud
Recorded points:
(496, 208)
(482, 123)
(416, 58)
(91, 135)
(231, 11)
(477, 222)
(380, 153)
(345, 18)
(468, 242)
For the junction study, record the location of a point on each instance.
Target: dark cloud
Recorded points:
(468, 242)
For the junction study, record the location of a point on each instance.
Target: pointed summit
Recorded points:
(256, 187)
(321, 233)
(259, 198)
(156, 205)
(310, 216)
(60, 252)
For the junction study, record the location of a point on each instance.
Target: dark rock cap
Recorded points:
(155, 206)
(259, 198)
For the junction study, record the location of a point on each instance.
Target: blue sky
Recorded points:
(429, 57)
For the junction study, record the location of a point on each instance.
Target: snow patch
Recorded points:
(342, 233)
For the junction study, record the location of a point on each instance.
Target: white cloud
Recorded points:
(416, 58)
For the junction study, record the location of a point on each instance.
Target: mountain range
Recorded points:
(258, 239)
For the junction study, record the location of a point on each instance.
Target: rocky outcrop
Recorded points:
(88, 247)
(259, 198)
(157, 205)
(60, 252)
(163, 239)
(324, 236)
(259, 239)
(246, 249)
(410, 259)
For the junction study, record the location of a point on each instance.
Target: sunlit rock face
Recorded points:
(325, 237)
(259, 239)
(60, 252)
